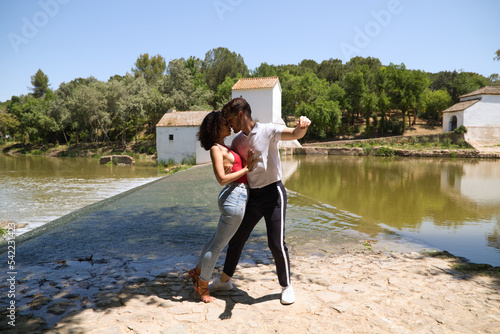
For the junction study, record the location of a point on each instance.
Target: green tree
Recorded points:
(383, 101)
(8, 124)
(35, 125)
(60, 109)
(324, 115)
(181, 87)
(88, 111)
(265, 70)
(435, 103)
(309, 65)
(355, 88)
(457, 83)
(332, 70)
(40, 83)
(301, 89)
(150, 68)
(220, 63)
(406, 90)
(497, 57)
(369, 105)
(224, 91)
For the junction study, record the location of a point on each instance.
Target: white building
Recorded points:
(264, 97)
(479, 112)
(176, 137)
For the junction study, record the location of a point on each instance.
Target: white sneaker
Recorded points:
(218, 285)
(287, 295)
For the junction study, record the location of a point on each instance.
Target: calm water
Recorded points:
(448, 204)
(38, 189)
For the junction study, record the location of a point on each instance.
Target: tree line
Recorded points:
(335, 96)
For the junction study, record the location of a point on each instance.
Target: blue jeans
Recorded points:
(232, 204)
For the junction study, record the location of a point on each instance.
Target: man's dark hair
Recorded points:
(235, 105)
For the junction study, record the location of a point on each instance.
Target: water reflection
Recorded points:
(450, 204)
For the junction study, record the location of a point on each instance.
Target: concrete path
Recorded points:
(486, 147)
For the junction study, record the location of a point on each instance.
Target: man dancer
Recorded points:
(267, 197)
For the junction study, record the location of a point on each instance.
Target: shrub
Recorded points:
(460, 130)
(385, 151)
(447, 142)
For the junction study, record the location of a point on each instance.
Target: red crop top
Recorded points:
(237, 165)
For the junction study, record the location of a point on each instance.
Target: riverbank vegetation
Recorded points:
(361, 98)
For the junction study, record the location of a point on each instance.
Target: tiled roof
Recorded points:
(255, 83)
(488, 90)
(461, 105)
(183, 118)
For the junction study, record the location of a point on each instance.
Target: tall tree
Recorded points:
(332, 70)
(182, 87)
(40, 83)
(62, 110)
(324, 116)
(220, 63)
(265, 70)
(355, 88)
(406, 90)
(88, 109)
(457, 83)
(297, 89)
(435, 103)
(497, 57)
(152, 69)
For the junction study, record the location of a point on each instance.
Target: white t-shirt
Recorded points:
(263, 140)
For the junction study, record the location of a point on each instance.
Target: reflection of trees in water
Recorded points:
(494, 238)
(398, 192)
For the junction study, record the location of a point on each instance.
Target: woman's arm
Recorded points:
(217, 156)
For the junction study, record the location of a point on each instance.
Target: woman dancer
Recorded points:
(232, 199)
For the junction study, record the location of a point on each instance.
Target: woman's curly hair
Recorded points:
(209, 132)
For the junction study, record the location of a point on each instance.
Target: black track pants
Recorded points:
(268, 202)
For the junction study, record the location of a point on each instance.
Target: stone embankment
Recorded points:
(382, 146)
(117, 159)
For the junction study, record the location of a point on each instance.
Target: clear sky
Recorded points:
(68, 39)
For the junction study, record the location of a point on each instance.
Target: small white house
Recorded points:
(478, 111)
(264, 97)
(176, 137)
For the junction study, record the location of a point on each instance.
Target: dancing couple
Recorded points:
(250, 171)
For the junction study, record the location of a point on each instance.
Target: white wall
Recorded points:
(183, 145)
(447, 118)
(277, 105)
(484, 113)
(260, 101)
(265, 103)
(482, 120)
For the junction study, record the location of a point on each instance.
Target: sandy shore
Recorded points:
(354, 292)
(120, 267)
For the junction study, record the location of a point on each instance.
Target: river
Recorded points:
(448, 204)
(35, 190)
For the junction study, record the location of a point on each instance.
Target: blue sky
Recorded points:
(68, 39)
